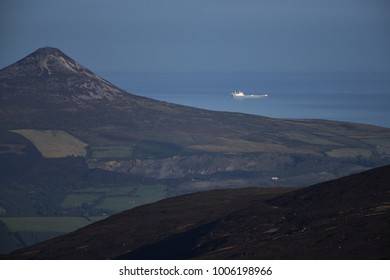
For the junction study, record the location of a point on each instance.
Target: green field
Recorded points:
(79, 200)
(384, 142)
(110, 152)
(123, 190)
(18, 232)
(308, 138)
(102, 201)
(136, 196)
(349, 152)
(114, 199)
(47, 224)
(99, 202)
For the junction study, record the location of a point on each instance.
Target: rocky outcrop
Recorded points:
(180, 167)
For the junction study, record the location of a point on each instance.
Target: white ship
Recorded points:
(240, 94)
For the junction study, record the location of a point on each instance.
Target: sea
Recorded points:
(362, 97)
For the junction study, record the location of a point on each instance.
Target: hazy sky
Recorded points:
(202, 35)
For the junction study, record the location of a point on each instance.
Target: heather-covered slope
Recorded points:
(346, 218)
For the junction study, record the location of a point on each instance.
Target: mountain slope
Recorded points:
(48, 83)
(47, 90)
(346, 218)
(74, 145)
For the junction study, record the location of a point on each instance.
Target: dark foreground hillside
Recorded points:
(348, 218)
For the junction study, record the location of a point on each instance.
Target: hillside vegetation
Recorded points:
(74, 145)
(345, 218)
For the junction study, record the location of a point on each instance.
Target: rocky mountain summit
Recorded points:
(47, 86)
(60, 73)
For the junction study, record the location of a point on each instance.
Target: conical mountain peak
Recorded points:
(51, 60)
(49, 78)
(45, 61)
(46, 51)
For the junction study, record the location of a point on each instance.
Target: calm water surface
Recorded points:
(357, 97)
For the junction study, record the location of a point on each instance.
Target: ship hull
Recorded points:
(251, 96)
